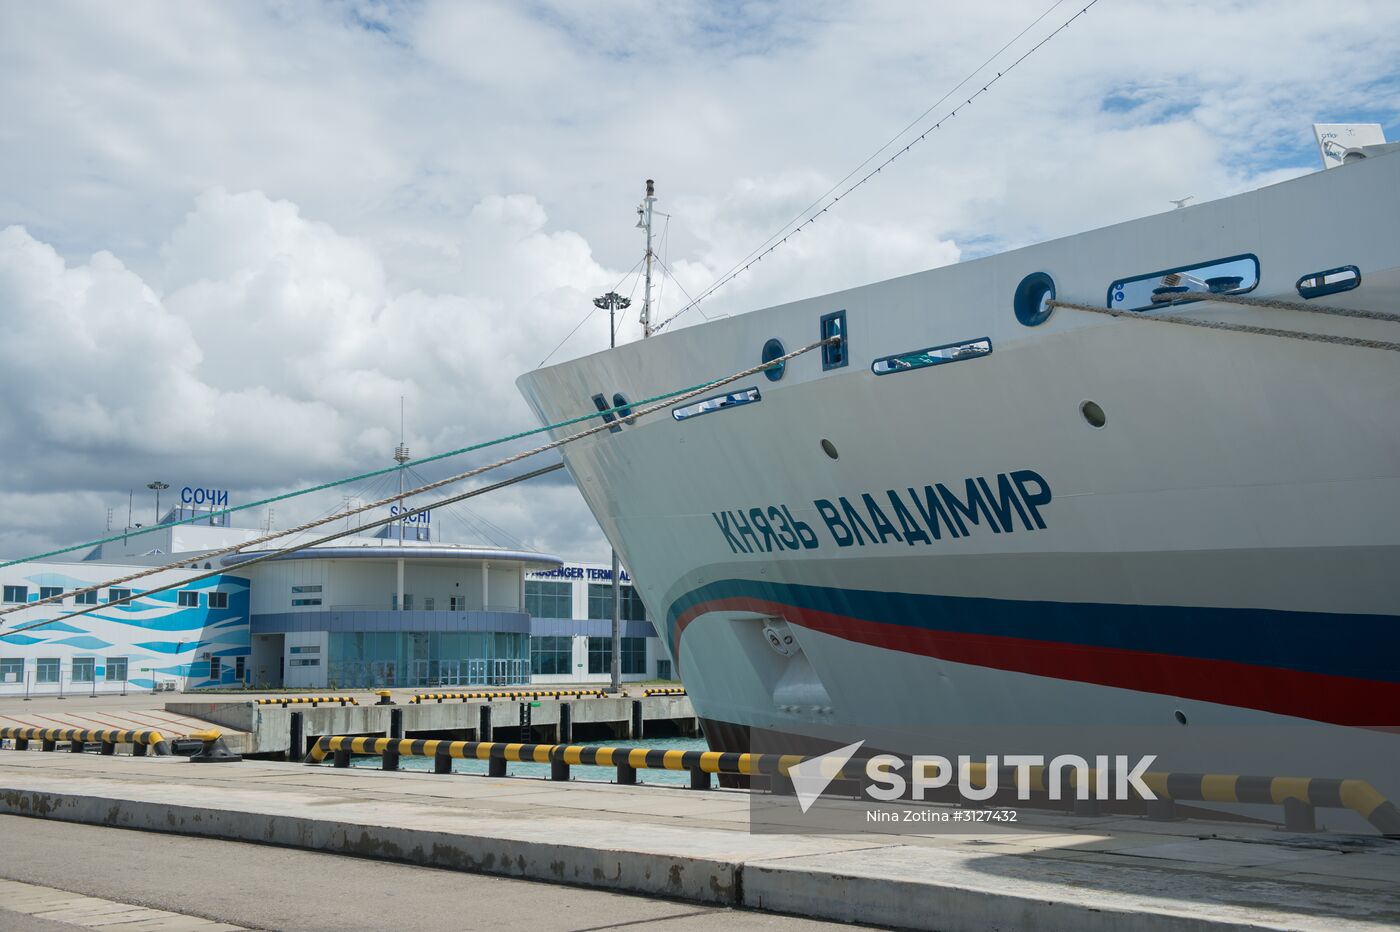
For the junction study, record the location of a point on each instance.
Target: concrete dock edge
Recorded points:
(799, 886)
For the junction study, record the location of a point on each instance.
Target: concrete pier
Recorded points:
(1071, 872)
(269, 726)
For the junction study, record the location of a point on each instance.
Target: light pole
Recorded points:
(615, 302)
(157, 487)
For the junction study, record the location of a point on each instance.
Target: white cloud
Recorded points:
(237, 233)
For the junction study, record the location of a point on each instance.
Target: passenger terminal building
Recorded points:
(395, 609)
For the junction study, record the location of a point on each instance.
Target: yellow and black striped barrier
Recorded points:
(512, 694)
(79, 738)
(664, 691)
(1298, 795)
(701, 764)
(285, 701)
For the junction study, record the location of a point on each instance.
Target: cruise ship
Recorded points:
(1076, 490)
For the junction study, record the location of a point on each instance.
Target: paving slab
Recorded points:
(1069, 872)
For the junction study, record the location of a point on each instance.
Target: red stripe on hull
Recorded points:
(1340, 700)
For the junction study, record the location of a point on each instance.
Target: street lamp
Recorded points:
(614, 302)
(157, 487)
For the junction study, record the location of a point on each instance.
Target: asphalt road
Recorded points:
(263, 887)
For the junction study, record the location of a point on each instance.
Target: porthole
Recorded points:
(772, 350)
(1093, 414)
(1032, 294)
(829, 449)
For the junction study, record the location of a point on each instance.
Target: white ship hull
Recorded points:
(1224, 551)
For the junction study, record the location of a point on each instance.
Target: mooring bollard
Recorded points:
(483, 723)
(396, 723)
(296, 728)
(1298, 816)
(385, 697)
(566, 724)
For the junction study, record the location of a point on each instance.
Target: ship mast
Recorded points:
(644, 211)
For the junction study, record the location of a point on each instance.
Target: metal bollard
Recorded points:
(297, 728)
(558, 769)
(342, 758)
(21, 744)
(385, 697)
(442, 763)
(396, 723)
(637, 720)
(626, 775)
(390, 760)
(699, 779)
(496, 767)
(138, 750)
(566, 723)
(49, 745)
(109, 748)
(483, 727)
(1162, 810)
(77, 745)
(1299, 816)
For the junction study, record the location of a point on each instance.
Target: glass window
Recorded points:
(218, 600)
(216, 667)
(553, 656)
(306, 601)
(16, 593)
(306, 649)
(116, 669)
(48, 592)
(46, 670)
(634, 656)
(306, 588)
(240, 668)
(86, 598)
(83, 669)
(457, 603)
(188, 599)
(12, 670)
(303, 662)
(718, 403)
(114, 595)
(428, 603)
(600, 603)
(834, 355)
(1234, 275)
(549, 599)
(408, 601)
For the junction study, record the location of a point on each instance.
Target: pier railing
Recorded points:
(285, 701)
(1299, 796)
(79, 738)
(511, 694)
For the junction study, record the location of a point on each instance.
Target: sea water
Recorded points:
(576, 771)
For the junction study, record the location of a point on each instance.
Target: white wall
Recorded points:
(309, 647)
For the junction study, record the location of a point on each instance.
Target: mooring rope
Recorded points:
(450, 480)
(1228, 326)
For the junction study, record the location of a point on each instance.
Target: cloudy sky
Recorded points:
(233, 235)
